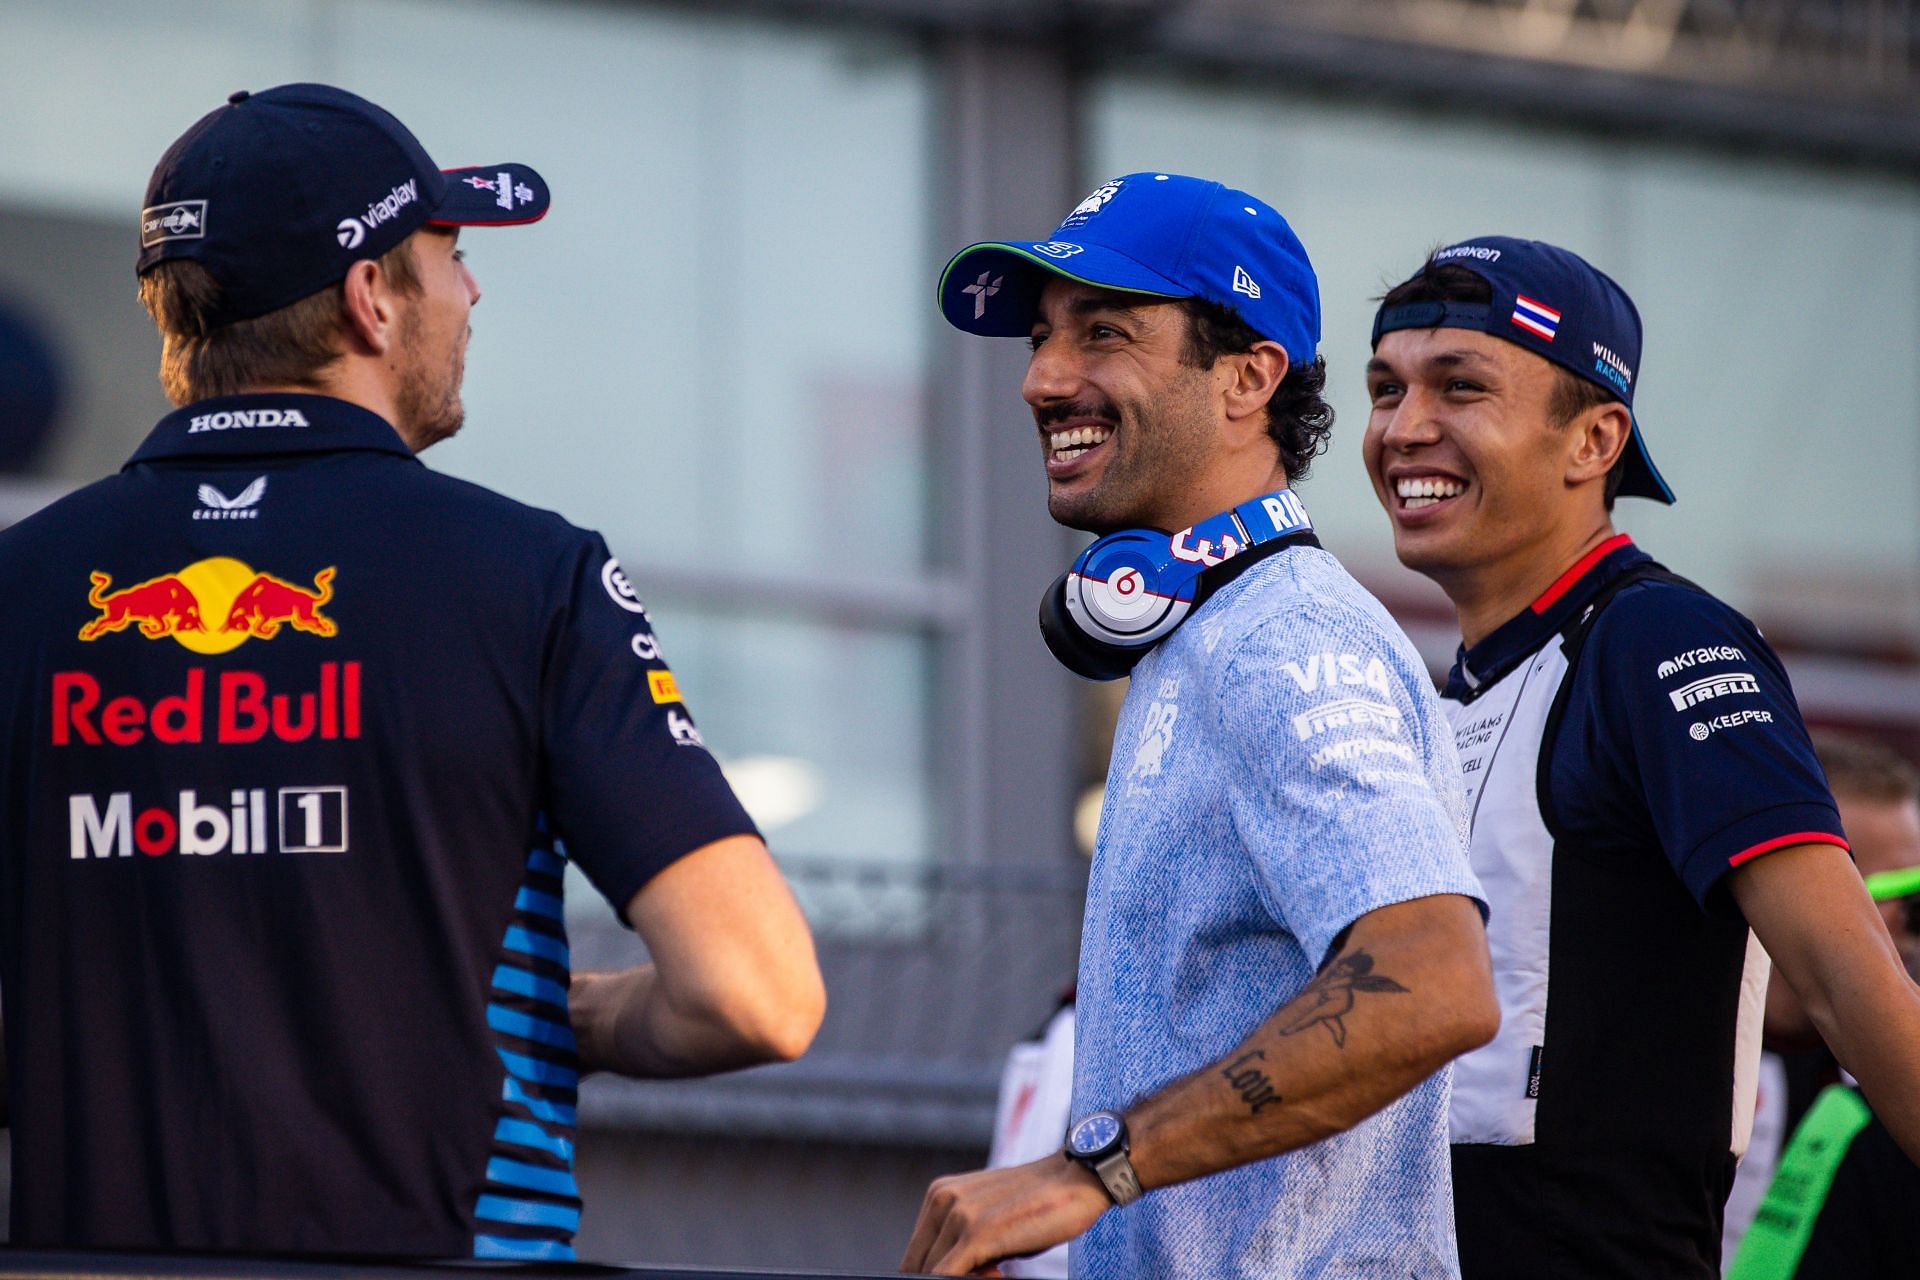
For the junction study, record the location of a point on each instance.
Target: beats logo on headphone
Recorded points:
(1132, 589)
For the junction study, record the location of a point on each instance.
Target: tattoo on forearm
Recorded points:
(1255, 1089)
(1329, 997)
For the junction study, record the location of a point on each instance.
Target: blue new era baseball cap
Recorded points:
(1158, 234)
(279, 192)
(1557, 305)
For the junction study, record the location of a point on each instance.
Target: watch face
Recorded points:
(1097, 1131)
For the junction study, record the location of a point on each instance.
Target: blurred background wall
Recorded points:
(720, 349)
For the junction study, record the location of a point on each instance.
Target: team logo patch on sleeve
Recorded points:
(621, 591)
(1721, 686)
(663, 686)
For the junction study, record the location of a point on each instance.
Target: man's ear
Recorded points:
(372, 307)
(1599, 435)
(1255, 376)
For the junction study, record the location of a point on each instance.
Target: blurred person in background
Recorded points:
(1845, 1200)
(1283, 945)
(33, 388)
(1645, 799)
(299, 737)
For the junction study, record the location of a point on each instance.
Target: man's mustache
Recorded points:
(1075, 409)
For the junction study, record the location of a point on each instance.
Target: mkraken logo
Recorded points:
(211, 606)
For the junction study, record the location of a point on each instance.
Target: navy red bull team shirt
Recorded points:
(298, 736)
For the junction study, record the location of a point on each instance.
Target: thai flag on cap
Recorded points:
(1536, 318)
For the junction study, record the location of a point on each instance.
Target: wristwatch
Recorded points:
(1099, 1141)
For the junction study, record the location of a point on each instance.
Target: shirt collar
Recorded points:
(274, 423)
(1525, 633)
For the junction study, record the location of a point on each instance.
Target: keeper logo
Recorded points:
(1729, 685)
(1701, 730)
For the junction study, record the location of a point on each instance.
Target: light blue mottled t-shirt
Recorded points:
(1281, 767)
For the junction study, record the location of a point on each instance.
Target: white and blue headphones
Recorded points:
(1130, 590)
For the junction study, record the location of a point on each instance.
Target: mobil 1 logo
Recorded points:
(195, 823)
(313, 819)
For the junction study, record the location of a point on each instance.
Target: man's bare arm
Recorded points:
(1409, 989)
(1811, 912)
(733, 981)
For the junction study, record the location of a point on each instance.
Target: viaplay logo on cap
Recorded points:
(352, 232)
(181, 220)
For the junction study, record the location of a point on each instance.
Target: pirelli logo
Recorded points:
(663, 686)
(1360, 713)
(1692, 695)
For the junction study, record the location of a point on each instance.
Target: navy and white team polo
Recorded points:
(298, 734)
(1627, 741)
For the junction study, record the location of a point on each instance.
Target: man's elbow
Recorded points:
(1476, 1022)
(1469, 1006)
(779, 1021)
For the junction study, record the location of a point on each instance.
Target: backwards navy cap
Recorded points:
(1153, 233)
(1560, 307)
(279, 192)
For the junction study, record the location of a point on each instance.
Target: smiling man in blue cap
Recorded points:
(1283, 944)
(1645, 799)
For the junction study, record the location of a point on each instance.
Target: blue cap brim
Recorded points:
(993, 288)
(1641, 478)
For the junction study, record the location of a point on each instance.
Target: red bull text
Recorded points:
(238, 708)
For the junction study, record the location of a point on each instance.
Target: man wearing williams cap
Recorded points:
(1283, 945)
(301, 736)
(1645, 800)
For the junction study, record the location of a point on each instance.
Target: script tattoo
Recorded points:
(1256, 1090)
(1329, 997)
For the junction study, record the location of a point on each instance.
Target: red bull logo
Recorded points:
(267, 602)
(212, 605)
(161, 606)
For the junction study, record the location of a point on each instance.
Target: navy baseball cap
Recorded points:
(1159, 234)
(1557, 305)
(279, 192)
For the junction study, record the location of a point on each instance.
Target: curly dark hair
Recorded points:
(1572, 394)
(1298, 417)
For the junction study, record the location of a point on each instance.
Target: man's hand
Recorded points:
(971, 1221)
(1409, 989)
(733, 981)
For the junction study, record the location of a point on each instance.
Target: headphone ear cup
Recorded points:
(1077, 651)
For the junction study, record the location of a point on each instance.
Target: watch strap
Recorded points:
(1117, 1176)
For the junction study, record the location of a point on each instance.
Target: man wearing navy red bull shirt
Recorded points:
(1645, 800)
(1283, 944)
(299, 738)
